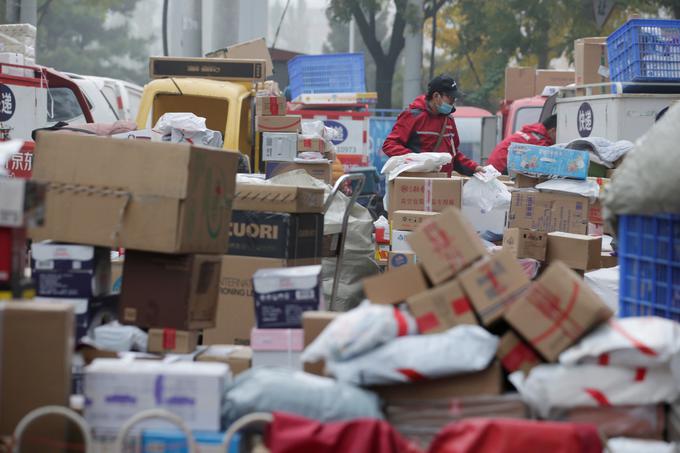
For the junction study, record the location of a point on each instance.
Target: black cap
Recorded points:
(443, 84)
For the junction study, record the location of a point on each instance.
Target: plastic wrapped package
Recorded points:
(358, 331)
(462, 349)
(119, 338)
(486, 194)
(283, 390)
(645, 422)
(414, 162)
(179, 127)
(558, 386)
(585, 188)
(626, 445)
(647, 180)
(602, 151)
(605, 283)
(629, 342)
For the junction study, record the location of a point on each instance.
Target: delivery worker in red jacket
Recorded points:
(427, 126)
(541, 134)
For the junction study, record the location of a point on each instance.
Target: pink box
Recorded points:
(277, 339)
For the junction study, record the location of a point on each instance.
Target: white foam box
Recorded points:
(115, 390)
(277, 347)
(279, 146)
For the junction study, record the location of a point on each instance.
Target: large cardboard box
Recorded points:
(493, 285)
(321, 170)
(486, 382)
(236, 306)
(549, 212)
(446, 245)
(395, 285)
(524, 243)
(36, 344)
(399, 259)
(590, 55)
(275, 198)
(425, 194)
(254, 48)
(169, 291)
(410, 220)
(172, 341)
(239, 358)
(281, 123)
(441, 308)
(548, 161)
(551, 77)
(519, 83)
(279, 146)
(74, 271)
(270, 105)
(118, 389)
(527, 182)
(557, 310)
(313, 323)
(515, 354)
(577, 251)
(246, 69)
(309, 143)
(161, 197)
(276, 235)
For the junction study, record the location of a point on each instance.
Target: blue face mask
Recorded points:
(445, 109)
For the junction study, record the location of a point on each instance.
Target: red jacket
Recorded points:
(417, 130)
(532, 134)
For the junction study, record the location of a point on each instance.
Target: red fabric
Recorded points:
(417, 130)
(516, 436)
(294, 434)
(532, 134)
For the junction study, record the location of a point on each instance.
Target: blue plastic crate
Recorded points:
(645, 50)
(332, 73)
(649, 259)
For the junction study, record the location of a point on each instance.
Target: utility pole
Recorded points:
(21, 11)
(413, 54)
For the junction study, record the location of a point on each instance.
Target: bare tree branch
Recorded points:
(367, 32)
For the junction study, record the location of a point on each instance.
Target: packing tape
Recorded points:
(169, 339)
(428, 195)
(274, 105)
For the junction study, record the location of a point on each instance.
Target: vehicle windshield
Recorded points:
(526, 115)
(62, 105)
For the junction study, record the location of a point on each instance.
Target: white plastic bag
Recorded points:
(117, 337)
(358, 331)
(185, 121)
(586, 188)
(630, 342)
(460, 350)
(486, 195)
(558, 386)
(605, 283)
(415, 162)
(626, 445)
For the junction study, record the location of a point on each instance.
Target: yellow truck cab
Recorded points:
(220, 90)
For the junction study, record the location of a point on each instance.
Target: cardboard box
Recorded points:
(395, 285)
(637, 422)
(321, 170)
(557, 310)
(441, 308)
(446, 245)
(527, 182)
(543, 211)
(425, 194)
(247, 69)
(140, 134)
(118, 389)
(486, 382)
(172, 341)
(399, 259)
(255, 48)
(170, 291)
(236, 304)
(89, 313)
(577, 251)
(399, 241)
(515, 354)
(590, 56)
(162, 197)
(282, 295)
(239, 358)
(554, 78)
(275, 198)
(279, 146)
(519, 83)
(548, 161)
(72, 271)
(276, 235)
(410, 220)
(608, 260)
(313, 323)
(493, 285)
(277, 348)
(282, 123)
(308, 143)
(524, 243)
(270, 105)
(36, 344)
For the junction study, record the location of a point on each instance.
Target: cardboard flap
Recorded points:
(269, 196)
(136, 166)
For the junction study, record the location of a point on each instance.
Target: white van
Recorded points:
(110, 96)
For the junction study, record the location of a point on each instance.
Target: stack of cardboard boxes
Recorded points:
(415, 198)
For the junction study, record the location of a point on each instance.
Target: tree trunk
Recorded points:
(383, 81)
